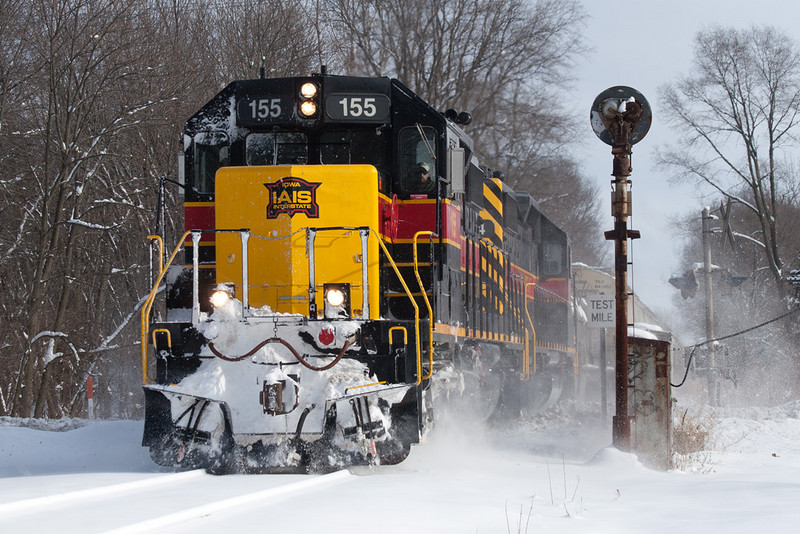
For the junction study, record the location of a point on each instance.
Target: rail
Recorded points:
(393, 329)
(427, 301)
(160, 242)
(418, 342)
(153, 489)
(311, 235)
(245, 235)
(148, 304)
(526, 364)
(162, 331)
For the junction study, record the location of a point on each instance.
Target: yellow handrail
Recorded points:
(405, 334)
(162, 331)
(427, 302)
(526, 360)
(148, 305)
(413, 303)
(160, 243)
(527, 364)
(364, 386)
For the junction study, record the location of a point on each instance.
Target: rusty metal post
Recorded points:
(621, 426)
(620, 117)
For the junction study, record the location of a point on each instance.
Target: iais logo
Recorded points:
(292, 195)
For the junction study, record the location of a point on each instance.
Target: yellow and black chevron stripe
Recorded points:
(493, 210)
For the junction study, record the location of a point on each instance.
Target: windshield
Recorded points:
(351, 147)
(277, 148)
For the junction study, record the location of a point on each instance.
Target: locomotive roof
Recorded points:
(219, 110)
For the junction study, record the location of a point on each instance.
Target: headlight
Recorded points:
(335, 297)
(337, 301)
(308, 108)
(220, 298)
(308, 105)
(308, 90)
(221, 295)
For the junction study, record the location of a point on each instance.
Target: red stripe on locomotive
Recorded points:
(559, 286)
(418, 216)
(199, 217)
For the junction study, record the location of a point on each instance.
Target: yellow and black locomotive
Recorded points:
(348, 267)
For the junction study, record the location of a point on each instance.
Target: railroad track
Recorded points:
(155, 503)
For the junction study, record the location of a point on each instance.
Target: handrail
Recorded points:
(163, 331)
(413, 303)
(381, 383)
(526, 360)
(311, 235)
(405, 334)
(533, 329)
(148, 306)
(160, 242)
(427, 302)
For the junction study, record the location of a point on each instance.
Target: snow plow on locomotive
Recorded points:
(347, 267)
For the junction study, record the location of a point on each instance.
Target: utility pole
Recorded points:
(713, 386)
(620, 117)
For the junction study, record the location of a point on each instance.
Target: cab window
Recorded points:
(291, 147)
(351, 147)
(418, 159)
(211, 151)
(260, 149)
(276, 148)
(553, 253)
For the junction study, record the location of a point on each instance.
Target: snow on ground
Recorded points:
(550, 474)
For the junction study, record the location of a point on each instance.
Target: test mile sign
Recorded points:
(602, 310)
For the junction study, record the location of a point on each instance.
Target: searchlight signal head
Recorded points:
(620, 115)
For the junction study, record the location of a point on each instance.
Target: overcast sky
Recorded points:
(645, 44)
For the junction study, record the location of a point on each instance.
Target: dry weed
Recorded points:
(692, 442)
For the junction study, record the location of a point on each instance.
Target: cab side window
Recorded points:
(211, 151)
(418, 159)
(553, 253)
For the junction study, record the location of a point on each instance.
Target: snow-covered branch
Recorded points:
(93, 226)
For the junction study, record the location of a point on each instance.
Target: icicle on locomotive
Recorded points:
(348, 267)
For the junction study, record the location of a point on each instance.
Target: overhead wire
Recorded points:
(722, 338)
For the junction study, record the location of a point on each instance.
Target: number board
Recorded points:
(357, 107)
(263, 109)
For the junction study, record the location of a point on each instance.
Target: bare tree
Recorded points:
(467, 52)
(736, 115)
(573, 203)
(268, 34)
(95, 133)
(504, 61)
(83, 99)
(757, 363)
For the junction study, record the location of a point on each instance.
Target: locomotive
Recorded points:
(348, 270)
